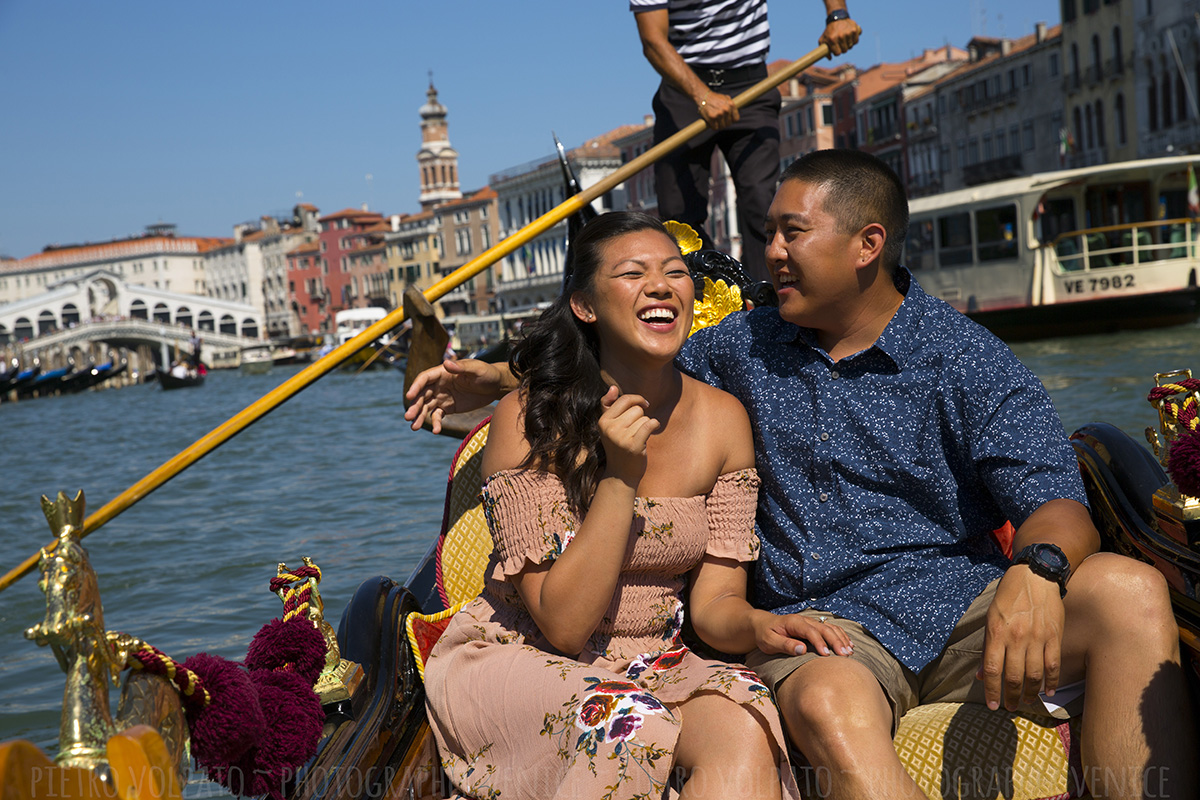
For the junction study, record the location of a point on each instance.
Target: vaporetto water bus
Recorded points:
(1087, 250)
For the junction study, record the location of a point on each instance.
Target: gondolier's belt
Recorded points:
(715, 76)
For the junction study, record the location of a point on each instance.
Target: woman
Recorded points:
(566, 677)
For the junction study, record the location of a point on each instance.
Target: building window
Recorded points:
(1100, 123)
(1054, 65)
(1068, 10)
(1118, 56)
(1167, 118)
(1026, 74)
(987, 147)
(1014, 139)
(1027, 134)
(1152, 96)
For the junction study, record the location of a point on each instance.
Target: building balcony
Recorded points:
(531, 282)
(996, 169)
(1114, 68)
(1071, 80)
(1093, 75)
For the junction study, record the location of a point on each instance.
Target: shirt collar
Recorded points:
(898, 339)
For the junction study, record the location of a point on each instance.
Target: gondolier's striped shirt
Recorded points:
(715, 33)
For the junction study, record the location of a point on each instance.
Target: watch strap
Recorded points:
(836, 14)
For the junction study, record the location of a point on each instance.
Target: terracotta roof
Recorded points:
(115, 250)
(602, 145)
(353, 213)
(307, 247)
(1018, 45)
(486, 193)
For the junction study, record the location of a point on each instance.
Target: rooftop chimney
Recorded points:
(1040, 28)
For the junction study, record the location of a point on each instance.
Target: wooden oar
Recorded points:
(318, 369)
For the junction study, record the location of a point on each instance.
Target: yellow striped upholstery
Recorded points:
(466, 544)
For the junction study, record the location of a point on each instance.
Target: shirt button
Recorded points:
(816, 556)
(835, 375)
(824, 436)
(822, 497)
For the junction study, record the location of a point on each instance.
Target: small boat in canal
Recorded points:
(1089, 250)
(176, 378)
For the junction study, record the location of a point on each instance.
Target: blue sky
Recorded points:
(123, 113)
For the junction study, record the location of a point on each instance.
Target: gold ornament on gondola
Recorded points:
(717, 301)
(685, 236)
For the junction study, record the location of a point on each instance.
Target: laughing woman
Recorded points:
(612, 483)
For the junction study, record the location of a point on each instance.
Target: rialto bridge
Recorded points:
(102, 307)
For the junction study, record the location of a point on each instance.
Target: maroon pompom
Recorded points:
(296, 642)
(232, 722)
(293, 730)
(1183, 463)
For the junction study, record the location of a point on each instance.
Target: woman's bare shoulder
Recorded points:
(506, 444)
(724, 421)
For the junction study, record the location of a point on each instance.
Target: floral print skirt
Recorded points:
(515, 721)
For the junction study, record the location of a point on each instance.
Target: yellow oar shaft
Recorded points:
(301, 380)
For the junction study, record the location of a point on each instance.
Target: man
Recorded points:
(892, 435)
(707, 53)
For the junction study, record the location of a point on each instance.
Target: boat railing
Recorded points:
(1128, 244)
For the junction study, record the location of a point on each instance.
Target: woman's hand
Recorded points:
(796, 634)
(624, 431)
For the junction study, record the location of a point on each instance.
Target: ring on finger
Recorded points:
(822, 619)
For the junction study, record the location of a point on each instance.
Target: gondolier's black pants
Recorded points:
(750, 147)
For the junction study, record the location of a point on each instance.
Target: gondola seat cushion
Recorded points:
(958, 750)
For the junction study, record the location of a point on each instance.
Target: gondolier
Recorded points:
(707, 52)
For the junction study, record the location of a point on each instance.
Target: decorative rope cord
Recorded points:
(1184, 413)
(297, 601)
(156, 662)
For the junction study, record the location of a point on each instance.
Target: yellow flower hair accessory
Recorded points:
(685, 236)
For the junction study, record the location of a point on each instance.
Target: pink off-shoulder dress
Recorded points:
(515, 720)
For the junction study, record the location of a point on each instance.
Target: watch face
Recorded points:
(1052, 557)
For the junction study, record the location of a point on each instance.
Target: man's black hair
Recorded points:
(860, 189)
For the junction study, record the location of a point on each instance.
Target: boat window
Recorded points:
(919, 245)
(997, 232)
(954, 239)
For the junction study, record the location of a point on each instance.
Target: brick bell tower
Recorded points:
(438, 160)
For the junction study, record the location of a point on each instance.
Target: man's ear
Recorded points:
(581, 307)
(871, 241)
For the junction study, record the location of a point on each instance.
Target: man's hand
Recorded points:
(451, 388)
(717, 110)
(1022, 651)
(840, 36)
(794, 634)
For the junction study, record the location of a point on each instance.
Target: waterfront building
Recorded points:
(465, 228)
(279, 237)
(640, 191)
(1000, 115)
(806, 119)
(158, 259)
(1098, 79)
(414, 251)
(1165, 74)
(437, 159)
(336, 270)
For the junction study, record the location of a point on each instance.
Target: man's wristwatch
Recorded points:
(836, 14)
(1047, 561)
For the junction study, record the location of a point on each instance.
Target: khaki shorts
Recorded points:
(950, 678)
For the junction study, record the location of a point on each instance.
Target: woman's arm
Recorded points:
(568, 598)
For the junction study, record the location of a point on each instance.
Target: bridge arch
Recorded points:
(23, 329)
(137, 309)
(162, 313)
(205, 321)
(228, 324)
(70, 315)
(47, 322)
(249, 328)
(183, 316)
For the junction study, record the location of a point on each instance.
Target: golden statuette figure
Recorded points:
(1177, 513)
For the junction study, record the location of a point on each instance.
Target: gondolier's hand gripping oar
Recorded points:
(301, 380)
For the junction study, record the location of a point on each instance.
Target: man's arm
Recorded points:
(454, 387)
(842, 34)
(1023, 646)
(716, 109)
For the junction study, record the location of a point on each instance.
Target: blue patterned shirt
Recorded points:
(884, 474)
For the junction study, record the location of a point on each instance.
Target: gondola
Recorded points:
(45, 382)
(374, 739)
(9, 375)
(191, 380)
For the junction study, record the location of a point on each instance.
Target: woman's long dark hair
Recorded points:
(557, 362)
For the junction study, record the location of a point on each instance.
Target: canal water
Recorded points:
(334, 474)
